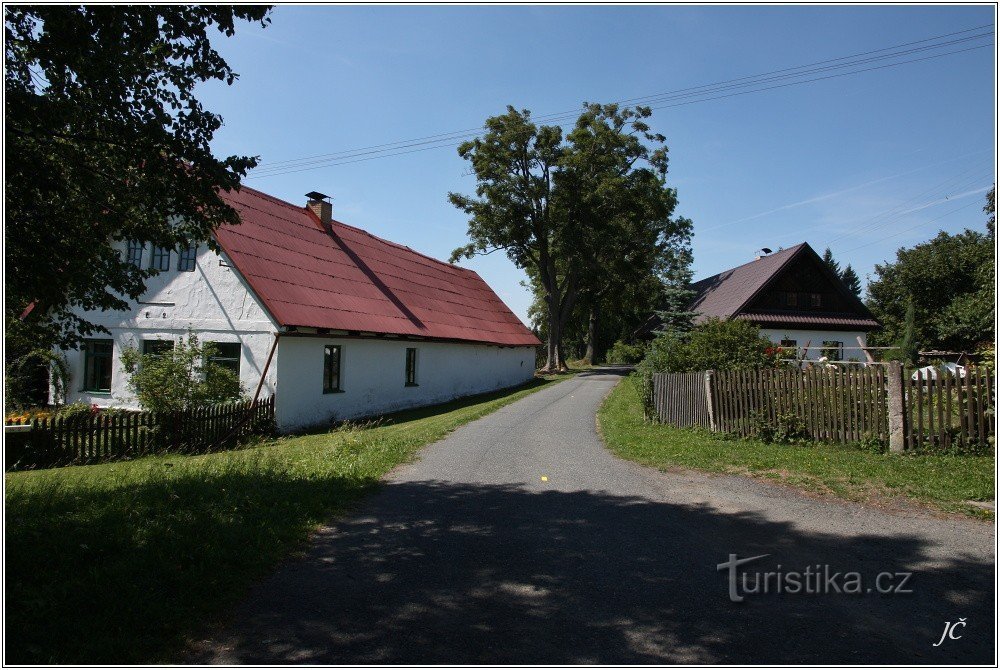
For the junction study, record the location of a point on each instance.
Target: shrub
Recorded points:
(729, 345)
(627, 354)
(180, 378)
(786, 429)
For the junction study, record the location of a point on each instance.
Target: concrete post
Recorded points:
(897, 418)
(708, 396)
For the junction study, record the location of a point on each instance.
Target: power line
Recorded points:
(898, 211)
(450, 141)
(631, 100)
(906, 230)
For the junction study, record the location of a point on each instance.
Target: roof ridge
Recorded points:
(756, 260)
(268, 196)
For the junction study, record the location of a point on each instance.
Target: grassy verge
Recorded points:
(946, 483)
(118, 563)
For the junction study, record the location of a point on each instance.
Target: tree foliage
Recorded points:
(106, 142)
(180, 378)
(587, 217)
(847, 274)
(714, 344)
(949, 281)
(851, 280)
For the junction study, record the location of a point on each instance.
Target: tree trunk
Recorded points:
(591, 355)
(552, 344)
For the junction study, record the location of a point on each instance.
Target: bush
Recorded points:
(180, 378)
(786, 429)
(627, 354)
(729, 345)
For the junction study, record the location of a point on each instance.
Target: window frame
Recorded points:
(225, 361)
(90, 385)
(187, 258)
(816, 299)
(328, 360)
(411, 367)
(133, 253)
(149, 347)
(159, 259)
(830, 346)
(788, 343)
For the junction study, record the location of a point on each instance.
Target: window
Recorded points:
(789, 346)
(135, 253)
(185, 259)
(816, 299)
(97, 365)
(160, 259)
(331, 369)
(411, 367)
(791, 299)
(227, 354)
(156, 347)
(833, 350)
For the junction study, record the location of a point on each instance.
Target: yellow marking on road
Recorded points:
(544, 478)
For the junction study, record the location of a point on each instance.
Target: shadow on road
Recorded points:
(433, 572)
(608, 371)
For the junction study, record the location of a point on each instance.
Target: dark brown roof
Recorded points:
(809, 320)
(728, 294)
(724, 294)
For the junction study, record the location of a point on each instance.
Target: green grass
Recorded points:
(944, 482)
(121, 562)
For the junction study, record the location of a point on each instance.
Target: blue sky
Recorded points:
(896, 153)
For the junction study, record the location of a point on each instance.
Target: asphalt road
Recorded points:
(520, 539)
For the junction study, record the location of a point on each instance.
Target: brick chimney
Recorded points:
(322, 207)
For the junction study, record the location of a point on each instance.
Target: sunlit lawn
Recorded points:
(945, 482)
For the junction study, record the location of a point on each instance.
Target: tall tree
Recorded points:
(950, 281)
(576, 215)
(107, 142)
(613, 184)
(830, 261)
(851, 279)
(514, 163)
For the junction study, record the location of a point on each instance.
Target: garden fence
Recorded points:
(834, 404)
(106, 436)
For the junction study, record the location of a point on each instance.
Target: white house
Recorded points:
(339, 323)
(796, 299)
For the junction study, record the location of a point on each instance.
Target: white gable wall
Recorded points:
(213, 301)
(373, 376)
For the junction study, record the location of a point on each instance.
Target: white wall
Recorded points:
(213, 300)
(373, 376)
(815, 339)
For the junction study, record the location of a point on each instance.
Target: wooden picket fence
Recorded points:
(950, 410)
(108, 436)
(830, 404)
(682, 399)
(834, 404)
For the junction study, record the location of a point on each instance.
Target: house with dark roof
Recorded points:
(334, 321)
(795, 298)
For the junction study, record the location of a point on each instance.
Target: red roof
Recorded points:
(351, 280)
